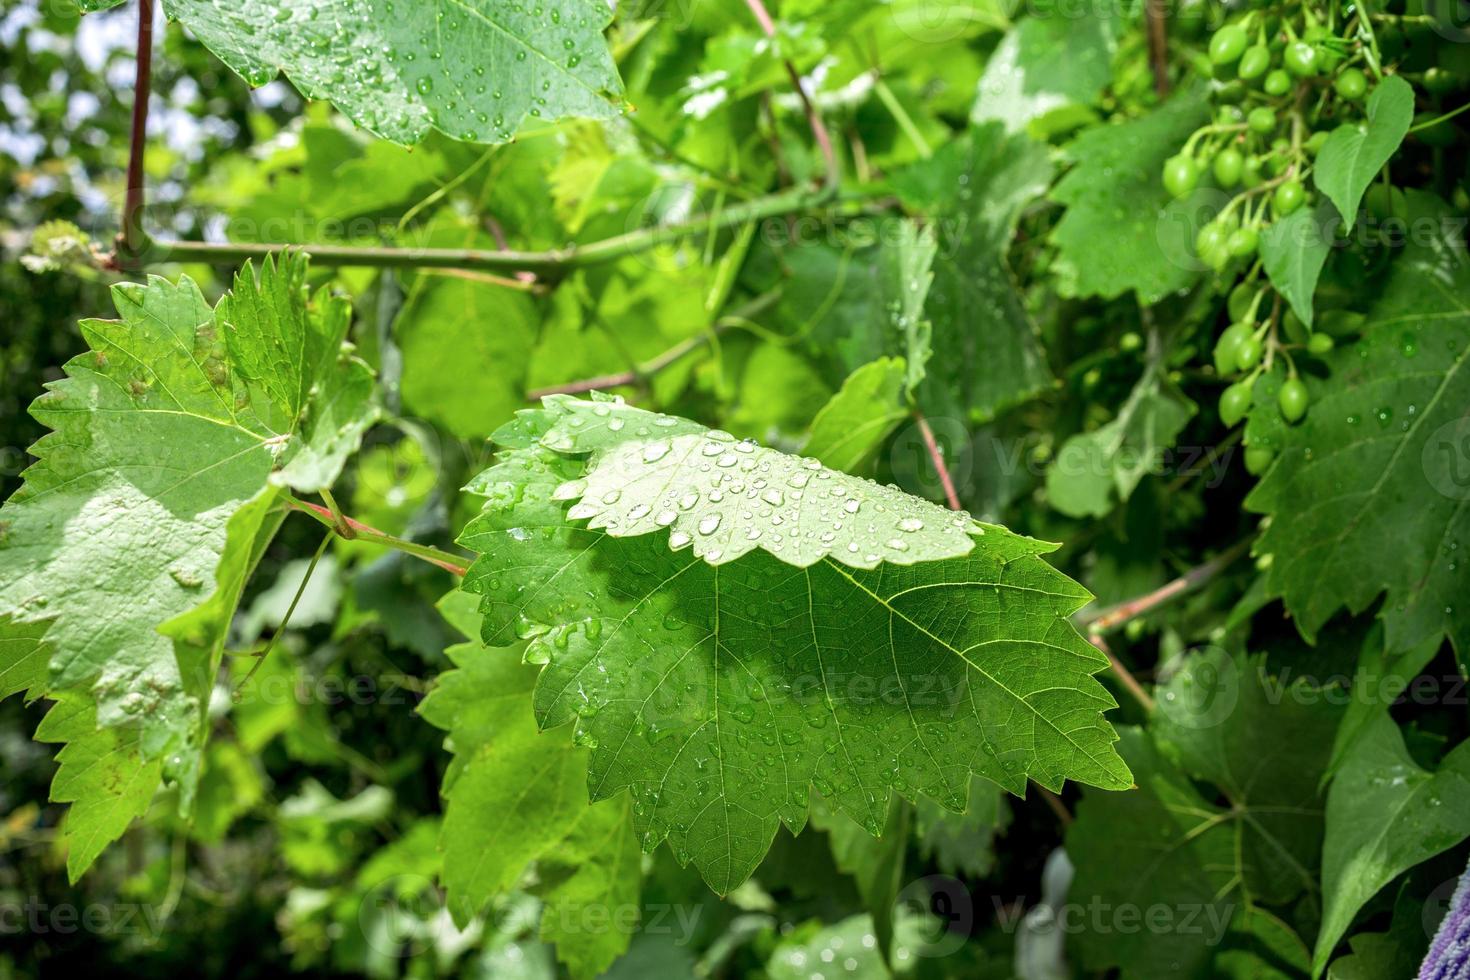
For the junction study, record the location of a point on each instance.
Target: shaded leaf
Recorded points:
(1384, 815)
(1368, 494)
(1354, 153)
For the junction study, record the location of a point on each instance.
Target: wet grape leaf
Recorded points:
(719, 691)
(1385, 814)
(474, 69)
(1047, 62)
(1368, 494)
(1222, 720)
(974, 189)
(1120, 230)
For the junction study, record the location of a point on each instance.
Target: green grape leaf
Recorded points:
(102, 773)
(1093, 470)
(155, 491)
(904, 280)
(1368, 494)
(474, 70)
(974, 189)
(1354, 153)
(1120, 230)
(1387, 674)
(25, 658)
(853, 424)
(1293, 252)
(1220, 719)
(1385, 814)
(534, 785)
(1260, 946)
(718, 692)
(725, 498)
(1046, 63)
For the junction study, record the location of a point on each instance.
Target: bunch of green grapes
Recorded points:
(1283, 80)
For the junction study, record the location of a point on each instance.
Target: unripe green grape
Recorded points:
(1257, 458)
(1440, 82)
(1292, 400)
(1251, 175)
(1277, 83)
(1261, 120)
(1228, 44)
(1352, 85)
(1254, 62)
(1130, 341)
(1235, 401)
(1243, 242)
(1248, 354)
(1228, 346)
(1181, 174)
(1210, 245)
(1239, 302)
(1313, 145)
(1288, 197)
(1319, 343)
(1302, 59)
(1228, 165)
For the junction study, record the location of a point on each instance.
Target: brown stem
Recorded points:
(523, 281)
(1125, 676)
(1108, 619)
(1158, 44)
(813, 118)
(937, 457)
(584, 385)
(348, 527)
(1052, 800)
(132, 238)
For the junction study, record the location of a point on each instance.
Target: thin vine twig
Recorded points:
(1158, 44)
(813, 117)
(132, 237)
(937, 456)
(1106, 620)
(348, 527)
(285, 620)
(1125, 676)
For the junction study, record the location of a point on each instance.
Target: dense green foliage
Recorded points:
(598, 599)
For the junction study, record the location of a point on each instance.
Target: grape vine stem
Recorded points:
(347, 527)
(937, 456)
(132, 237)
(1110, 618)
(813, 117)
